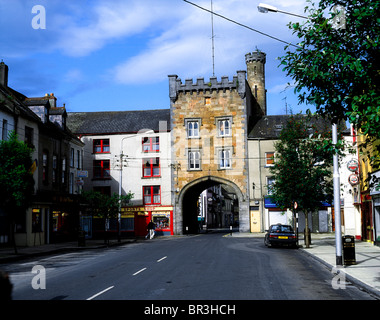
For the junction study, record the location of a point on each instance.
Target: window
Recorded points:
(78, 159)
(224, 127)
(101, 169)
(225, 159)
(269, 158)
(151, 167)
(270, 182)
(45, 167)
(4, 135)
(71, 183)
(29, 137)
(101, 145)
(151, 144)
(192, 127)
(72, 158)
(152, 195)
(194, 160)
(63, 170)
(54, 176)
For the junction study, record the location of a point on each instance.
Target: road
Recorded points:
(199, 267)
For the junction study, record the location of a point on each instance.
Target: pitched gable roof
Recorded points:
(116, 121)
(269, 127)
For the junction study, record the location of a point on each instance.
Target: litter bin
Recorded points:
(349, 250)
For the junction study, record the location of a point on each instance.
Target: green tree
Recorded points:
(16, 179)
(302, 168)
(104, 206)
(336, 66)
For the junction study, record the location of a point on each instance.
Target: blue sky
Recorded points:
(103, 55)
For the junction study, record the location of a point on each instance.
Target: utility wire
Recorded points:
(240, 24)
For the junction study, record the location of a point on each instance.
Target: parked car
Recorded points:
(280, 234)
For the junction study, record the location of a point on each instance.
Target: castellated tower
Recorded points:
(256, 77)
(210, 123)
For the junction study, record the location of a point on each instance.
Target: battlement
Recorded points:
(255, 56)
(176, 86)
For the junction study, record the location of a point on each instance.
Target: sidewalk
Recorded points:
(365, 273)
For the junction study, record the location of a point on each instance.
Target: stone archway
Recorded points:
(186, 204)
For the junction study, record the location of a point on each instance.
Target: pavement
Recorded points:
(365, 273)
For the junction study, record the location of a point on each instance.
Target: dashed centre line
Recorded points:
(163, 258)
(139, 271)
(99, 293)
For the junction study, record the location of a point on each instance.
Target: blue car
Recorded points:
(280, 234)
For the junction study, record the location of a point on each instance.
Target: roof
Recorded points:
(13, 100)
(269, 127)
(116, 121)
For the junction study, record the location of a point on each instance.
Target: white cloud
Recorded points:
(107, 21)
(185, 47)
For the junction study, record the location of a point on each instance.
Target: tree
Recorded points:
(302, 168)
(105, 206)
(16, 179)
(336, 66)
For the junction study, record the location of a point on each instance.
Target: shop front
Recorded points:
(161, 216)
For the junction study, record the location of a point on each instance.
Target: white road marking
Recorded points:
(159, 260)
(139, 271)
(99, 293)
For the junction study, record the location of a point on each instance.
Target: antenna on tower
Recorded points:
(212, 41)
(286, 106)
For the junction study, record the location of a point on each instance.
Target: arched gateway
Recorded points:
(210, 122)
(186, 210)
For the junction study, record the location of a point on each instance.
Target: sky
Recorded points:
(116, 55)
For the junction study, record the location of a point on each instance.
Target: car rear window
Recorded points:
(281, 228)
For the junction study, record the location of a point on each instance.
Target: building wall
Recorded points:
(207, 104)
(258, 178)
(133, 157)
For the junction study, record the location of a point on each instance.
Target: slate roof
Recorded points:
(269, 127)
(116, 121)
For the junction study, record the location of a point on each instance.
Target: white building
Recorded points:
(129, 152)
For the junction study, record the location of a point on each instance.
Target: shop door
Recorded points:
(141, 223)
(86, 225)
(255, 221)
(367, 226)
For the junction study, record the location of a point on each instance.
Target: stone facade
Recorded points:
(209, 128)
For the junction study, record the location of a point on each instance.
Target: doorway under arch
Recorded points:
(186, 212)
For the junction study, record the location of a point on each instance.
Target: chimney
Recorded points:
(3, 74)
(52, 100)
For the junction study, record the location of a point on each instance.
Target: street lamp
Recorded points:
(122, 155)
(265, 8)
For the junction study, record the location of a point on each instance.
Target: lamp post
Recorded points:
(122, 155)
(265, 8)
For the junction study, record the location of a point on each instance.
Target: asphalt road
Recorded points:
(200, 267)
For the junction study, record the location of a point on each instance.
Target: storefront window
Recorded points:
(162, 221)
(36, 220)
